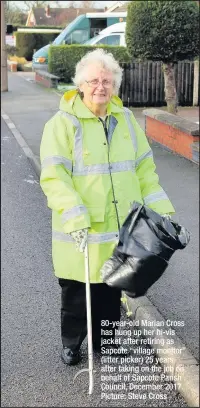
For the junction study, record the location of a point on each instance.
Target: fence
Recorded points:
(143, 83)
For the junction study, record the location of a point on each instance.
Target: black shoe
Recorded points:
(69, 356)
(118, 350)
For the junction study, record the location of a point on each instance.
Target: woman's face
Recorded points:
(98, 86)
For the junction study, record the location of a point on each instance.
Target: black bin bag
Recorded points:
(147, 241)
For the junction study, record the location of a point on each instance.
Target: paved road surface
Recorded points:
(32, 372)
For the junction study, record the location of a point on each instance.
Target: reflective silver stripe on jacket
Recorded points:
(159, 195)
(92, 238)
(144, 156)
(74, 212)
(79, 169)
(127, 113)
(78, 148)
(105, 168)
(73, 118)
(53, 160)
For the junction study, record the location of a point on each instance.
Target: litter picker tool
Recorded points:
(89, 324)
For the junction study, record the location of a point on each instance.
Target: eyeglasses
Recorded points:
(94, 83)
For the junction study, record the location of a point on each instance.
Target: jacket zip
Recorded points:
(115, 202)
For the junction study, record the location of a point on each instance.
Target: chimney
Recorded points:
(48, 11)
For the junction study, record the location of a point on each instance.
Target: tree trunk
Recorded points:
(170, 88)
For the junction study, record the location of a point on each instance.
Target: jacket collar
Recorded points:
(80, 109)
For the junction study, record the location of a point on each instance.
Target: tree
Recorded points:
(86, 4)
(81, 4)
(13, 15)
(167, 31)
(34, 4)
(72, 4)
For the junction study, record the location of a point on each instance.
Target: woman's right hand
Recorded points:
(80, 237)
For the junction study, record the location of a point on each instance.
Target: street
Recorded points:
(32, 372)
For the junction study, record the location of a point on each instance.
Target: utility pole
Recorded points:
(4, 72)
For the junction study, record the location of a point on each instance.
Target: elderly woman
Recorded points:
(96, 161)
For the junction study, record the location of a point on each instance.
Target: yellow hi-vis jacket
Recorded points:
(91, 181)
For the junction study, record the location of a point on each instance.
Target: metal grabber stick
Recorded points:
(89, 324)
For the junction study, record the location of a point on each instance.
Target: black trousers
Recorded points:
(105, 305)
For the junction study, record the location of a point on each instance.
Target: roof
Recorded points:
(114, 6)
(118, 6)
(60, 16)
(121, 8)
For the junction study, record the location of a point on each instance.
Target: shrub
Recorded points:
(26, 43)
(11, 49)
(166, 31)
(163, 30)
(19, 60)
(63, 59)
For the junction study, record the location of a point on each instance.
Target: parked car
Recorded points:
(82, 29)
(113, 35)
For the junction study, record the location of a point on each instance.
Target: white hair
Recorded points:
(106, 60)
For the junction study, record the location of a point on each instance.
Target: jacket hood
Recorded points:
(72, 103)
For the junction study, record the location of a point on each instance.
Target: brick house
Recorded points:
(56, 16)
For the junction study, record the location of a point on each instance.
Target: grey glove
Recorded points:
(80, 237)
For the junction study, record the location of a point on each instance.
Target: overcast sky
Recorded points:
(64, 3)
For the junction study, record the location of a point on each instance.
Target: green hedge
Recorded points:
(63, 59)
(26, 43)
